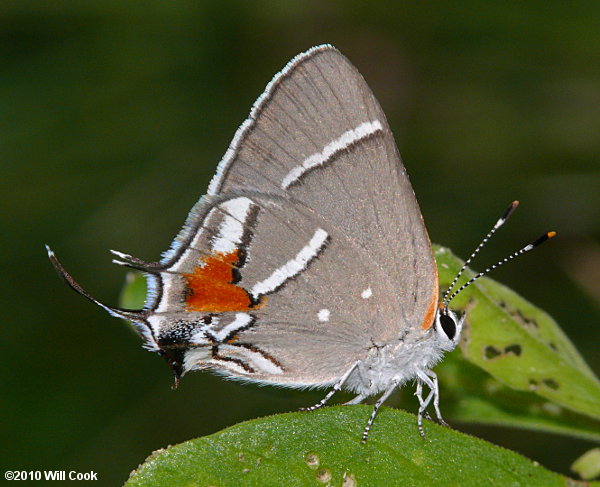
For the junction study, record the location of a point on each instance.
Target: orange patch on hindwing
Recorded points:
(211, 286)
(431, 310)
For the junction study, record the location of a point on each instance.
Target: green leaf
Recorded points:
(133, 293)
(323, 448)
(587, 466)
(519, 344)
(469, 394)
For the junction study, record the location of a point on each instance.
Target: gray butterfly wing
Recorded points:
(320, 162)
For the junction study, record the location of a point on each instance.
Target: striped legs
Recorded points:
(338, 385)
(357, 400)
(426, 377)
(378, 404)
(430, 379)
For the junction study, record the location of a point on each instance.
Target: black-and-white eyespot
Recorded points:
(448, 327)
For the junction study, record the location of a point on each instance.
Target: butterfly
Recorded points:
(307, 263)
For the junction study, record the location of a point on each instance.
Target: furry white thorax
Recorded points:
(402, 360)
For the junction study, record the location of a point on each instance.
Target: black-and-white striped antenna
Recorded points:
(501, 221)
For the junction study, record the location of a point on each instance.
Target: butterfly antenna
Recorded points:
(501, 221)
(536, 243)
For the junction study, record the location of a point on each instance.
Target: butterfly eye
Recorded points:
(448, 325)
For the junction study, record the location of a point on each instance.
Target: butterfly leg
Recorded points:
(364, 379)
(338, 385)
(436, 398)
(357, 400)
(423, 403)
(431, 380)
(378, 404)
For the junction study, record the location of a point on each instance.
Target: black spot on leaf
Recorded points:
(490, 352)
(550, 384)
(514, 349)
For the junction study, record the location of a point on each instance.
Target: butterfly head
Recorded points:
(448, 326)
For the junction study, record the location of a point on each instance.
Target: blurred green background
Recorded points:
(114, 115)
